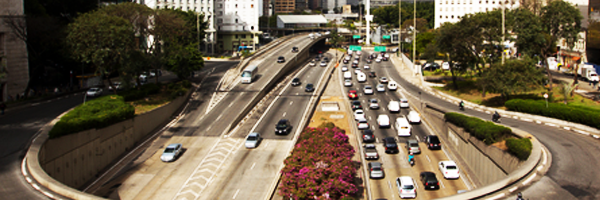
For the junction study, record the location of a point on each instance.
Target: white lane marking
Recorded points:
(236, 193)
(426, 156)
(221, 115)
(284, 113)
(253, 164)
(529, 179)
(497, 196)
(545, 157)
(370, 118)
(442, 183)
(391, 190)
(36, 186)
(291, 102)
(266, 144)
(230, 104)
(513, 189)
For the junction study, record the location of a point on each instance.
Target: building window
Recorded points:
(220, 13)
(251, 27)
(440, 17)
(219, 21)
(236, 36)
(220, 36)
(251, 5)
(235, 5)
(243, 35)
(236, 21)
(220, 5)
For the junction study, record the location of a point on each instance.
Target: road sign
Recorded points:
(356, 37)
(380, 48)
(355, 48)
(387, 37)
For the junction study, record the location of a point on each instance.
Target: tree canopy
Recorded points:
(514, 77)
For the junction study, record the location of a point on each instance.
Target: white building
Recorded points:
(237, 24)
(452, 10)
(205, 7)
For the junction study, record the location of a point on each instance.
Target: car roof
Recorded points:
(412, 141)
(428, 174)
(375, 164)
(406, 180)
(368, 132)
(448, 162)
(253, 134)
(283, 120)
(389, 139)
(352, 91)
(174, 145)
(369, 145)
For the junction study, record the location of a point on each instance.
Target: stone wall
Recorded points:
(14, 67)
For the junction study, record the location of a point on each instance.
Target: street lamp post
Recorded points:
(414, 32)
(502, 43)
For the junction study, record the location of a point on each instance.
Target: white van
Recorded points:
(383, 120)
(361, 77)
(347, 75)
(406, 187)
(394, 106)
(403, 127)
(392, 85)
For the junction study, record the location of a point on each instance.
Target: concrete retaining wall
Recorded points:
(71, 161)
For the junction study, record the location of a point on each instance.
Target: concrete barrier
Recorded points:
(492, 167)
(71, 161)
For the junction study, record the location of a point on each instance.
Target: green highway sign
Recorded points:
(355, 48)
(386, 37)
(356, 37)
(380, 48)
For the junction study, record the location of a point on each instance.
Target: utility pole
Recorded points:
(399, 28)
(198, 29)
(503, 34)
(414, 32)
(368, 18)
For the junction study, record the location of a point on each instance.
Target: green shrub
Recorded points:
(97, 113)
(521, 148)
(136, 94)
(576, 114)
(486, 131)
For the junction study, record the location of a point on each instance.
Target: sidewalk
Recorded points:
(584, 88)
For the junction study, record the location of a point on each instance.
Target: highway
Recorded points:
(396, 165)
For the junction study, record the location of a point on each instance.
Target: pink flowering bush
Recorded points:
(320, 166)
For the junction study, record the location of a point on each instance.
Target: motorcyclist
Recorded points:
(520, 196)
(410, 157)
(461, 105)
(496, 116)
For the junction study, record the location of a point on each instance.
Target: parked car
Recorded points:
(412, 146)
(368, 136)
(94, 92)
(431, 66)
(171, 153)
(406, 187)
(253, 140)
(296, 82)
(117, 85)
(433, 142)
(309, 87)
(283, 127)
(413, 117)
(390, 145)
(376, 170)
(449, 169)
(429, 180)
(281, 59)
(370, 152)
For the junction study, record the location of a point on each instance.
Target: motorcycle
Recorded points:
(411, 161)
(461, 106)
(496, 118)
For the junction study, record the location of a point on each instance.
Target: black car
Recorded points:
(354, 65)
(373, 56)
(368, 136)
(390, 145)
(433, 142)
(296, 82)
(431, 67)
(294, 49)
(317, 58)
(429, 180)
(283, 127)
(281, 59)
(385, 58)
(345, 61)
(372, 74)
(326, 59)
(309, 88)
(356, 105)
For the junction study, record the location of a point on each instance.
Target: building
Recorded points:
(452, 10)
(14, 65)
(285, 6)
(300, 21)
(301, 4)
(237, 24)
(200, 7)
(314, 4)
(266, 8)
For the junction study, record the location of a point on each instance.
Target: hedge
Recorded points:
(521, 148)
(320, 166)
(94, 114)
(485, 131)
(136, 94)
(576, 114)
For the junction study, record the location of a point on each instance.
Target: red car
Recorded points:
(352, 94)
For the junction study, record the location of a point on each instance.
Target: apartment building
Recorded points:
(14, 64)
(205, 7)
(452, 10)
(285, 6)
(237, 24)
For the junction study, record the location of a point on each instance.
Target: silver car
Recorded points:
(93, 92)
(413, 146)
(171, 152)
(252, 140)
(376, 170)
(380, 88)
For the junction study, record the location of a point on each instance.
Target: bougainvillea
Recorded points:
(320, 166)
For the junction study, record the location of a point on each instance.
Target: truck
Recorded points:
(371, 152)
(587, 72)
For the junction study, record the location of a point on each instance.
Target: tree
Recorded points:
(448, 41)
(567, 90)
(514, 77)
(336, 38)
(105, 41)
(558, 20)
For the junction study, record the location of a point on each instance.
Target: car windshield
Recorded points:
(404, 101)
(169, 150)
(393, 145)
(251, 138)
(434, 140)
(373, 100)
(451, 167)
(281, 125)
(246, 74)
(408, 187)
(309, 86)
(412, 144)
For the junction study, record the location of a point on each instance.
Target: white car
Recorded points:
(383, 120)
(366, 67)
(252, 140)
(327, 33)
(348, 58)
(312, 63)
(362, 124)
(368, 89)
(406, 187)
(404, 103)
(348, 83)
(394, 106)
(373, 104)
(413, 117)
(117, 85)
(171, 152)
(392, 86)
(449, 169)
(344, 69)
(446, 66)
(323, 63)
(355, 62)
(357, 70)
(380, 88)
(93, 92)
(378, 60)
(359, 114)
(359, 53)
(383, 79)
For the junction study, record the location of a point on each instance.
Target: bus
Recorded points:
(249, 73)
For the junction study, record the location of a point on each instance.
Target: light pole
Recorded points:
(414, 32)
(399, 28)
(502, 43)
